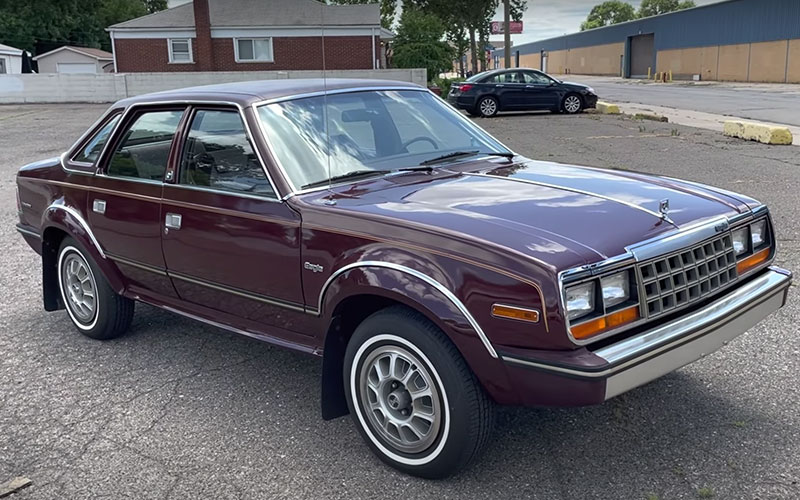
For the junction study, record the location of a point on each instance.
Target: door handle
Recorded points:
(173, 221)
(99, 206)
(499, 85)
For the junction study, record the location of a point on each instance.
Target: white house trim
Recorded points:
(289, 32)
(72, 49)
(113, 51)
(161, 33)
(169, 49)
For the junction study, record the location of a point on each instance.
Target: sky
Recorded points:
(550, 18)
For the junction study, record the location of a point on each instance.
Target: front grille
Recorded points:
(673, 281)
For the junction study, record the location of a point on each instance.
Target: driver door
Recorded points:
(229, 243)
(540, 93)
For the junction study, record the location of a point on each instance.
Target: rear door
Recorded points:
(125, 199)
(509, 88)
(229, 243)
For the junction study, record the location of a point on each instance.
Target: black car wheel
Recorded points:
(487, 106)
(572, 104)
(412, 396)
(93, 306)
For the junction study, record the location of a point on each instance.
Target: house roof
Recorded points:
(7, 49)
(98, 54)
(251, 13)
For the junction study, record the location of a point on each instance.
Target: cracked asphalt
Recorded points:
(177, 409)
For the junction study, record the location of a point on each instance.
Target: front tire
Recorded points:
(488, 106)
(572, 104)
(412, 396)
(94, 308)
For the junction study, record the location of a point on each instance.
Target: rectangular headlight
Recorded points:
(616, 289)
(758, 233)
(580, 300)
(741, 243)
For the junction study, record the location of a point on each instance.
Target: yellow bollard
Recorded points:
(670, 76)
(648, 72)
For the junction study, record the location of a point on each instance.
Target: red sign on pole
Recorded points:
(515, 27)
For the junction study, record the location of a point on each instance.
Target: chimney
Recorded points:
(202, 27)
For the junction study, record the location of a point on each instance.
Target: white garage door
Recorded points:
(77, 68)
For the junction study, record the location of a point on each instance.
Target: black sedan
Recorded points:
(519, 89)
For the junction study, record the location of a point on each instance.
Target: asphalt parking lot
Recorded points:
(177, 409)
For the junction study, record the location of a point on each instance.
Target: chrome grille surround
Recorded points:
(675, 280)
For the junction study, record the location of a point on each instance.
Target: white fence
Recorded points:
(110, 87)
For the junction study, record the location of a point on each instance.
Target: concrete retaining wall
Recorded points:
(54, 88)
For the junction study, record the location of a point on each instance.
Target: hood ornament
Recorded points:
(663, 208)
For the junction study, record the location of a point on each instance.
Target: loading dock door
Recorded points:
(642, 47)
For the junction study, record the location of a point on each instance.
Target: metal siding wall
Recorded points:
(726, 23)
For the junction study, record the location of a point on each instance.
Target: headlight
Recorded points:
(758, 233)
(616, 289)
(590, 90)
(580, 300)
(740, 241)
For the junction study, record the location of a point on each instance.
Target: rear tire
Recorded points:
(94, 308)
(572, 104)
(488, 107)
(412, 396)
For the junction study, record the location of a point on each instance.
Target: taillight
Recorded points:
(465, 87)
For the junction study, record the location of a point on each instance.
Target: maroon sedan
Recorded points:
(434, 271)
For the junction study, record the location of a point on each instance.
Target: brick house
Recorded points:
(251, 35)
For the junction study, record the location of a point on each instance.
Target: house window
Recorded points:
(253, 49)
(180, 50)
(3, 70)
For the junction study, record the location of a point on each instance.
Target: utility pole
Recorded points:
(507, 31)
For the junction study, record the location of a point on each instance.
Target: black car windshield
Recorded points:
(382, 130)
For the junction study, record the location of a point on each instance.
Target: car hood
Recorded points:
(541, 208)
(575, 85)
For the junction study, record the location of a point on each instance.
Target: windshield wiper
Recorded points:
(449, 156)
(460, 154)
(349, 175)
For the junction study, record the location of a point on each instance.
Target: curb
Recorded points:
(607, 108)
(751, 131)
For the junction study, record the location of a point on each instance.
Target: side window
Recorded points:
(143, 152)
(92, 149)
(217, 155)
(536, 78)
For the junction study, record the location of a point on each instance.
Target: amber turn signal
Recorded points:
(757, 258)
(518, 313)
(599, 325)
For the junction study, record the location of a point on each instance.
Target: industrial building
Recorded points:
(733, 40)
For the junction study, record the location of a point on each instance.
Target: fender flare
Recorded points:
(420, 276)
(69, 220)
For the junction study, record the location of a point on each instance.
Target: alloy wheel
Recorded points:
(79, 287)
(572, 104)
(488, 107)
(400, 399)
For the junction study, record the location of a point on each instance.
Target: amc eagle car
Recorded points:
(435, 272)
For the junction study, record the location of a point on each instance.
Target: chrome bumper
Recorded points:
(642, 358)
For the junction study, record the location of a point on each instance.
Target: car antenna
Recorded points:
(330, 200)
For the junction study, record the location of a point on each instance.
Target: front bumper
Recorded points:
(598, 375)
(589, 100)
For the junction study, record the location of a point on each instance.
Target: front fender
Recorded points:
(429, 297)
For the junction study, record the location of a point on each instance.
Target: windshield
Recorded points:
(369, 131)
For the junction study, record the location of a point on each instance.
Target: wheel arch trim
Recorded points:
(73, 213)
(421, 276)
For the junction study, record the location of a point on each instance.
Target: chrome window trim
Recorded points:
(652, 248)
(421, 276)
(294, 191)
(81, 221)
(239, 194)
(199, 103)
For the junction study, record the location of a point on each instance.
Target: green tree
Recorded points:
(42, 25)
(656, 7)
(420, 43)
(388, 9)
(607, 13)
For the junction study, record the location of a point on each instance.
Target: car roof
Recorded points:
(246, 93)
